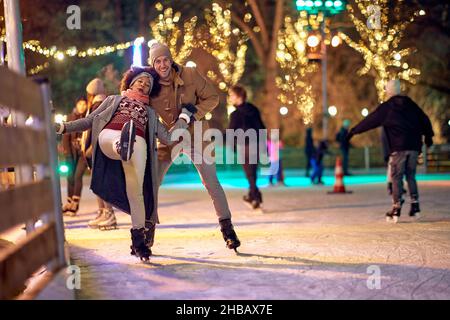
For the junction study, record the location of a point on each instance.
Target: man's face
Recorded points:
(162, 66)
(81, 106)
(234, 99)
(141, 85)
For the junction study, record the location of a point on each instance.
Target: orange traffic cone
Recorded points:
(339, 174)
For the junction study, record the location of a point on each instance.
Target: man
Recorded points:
(344, 145)
(404, 124)
(245, 117)
(185, 87)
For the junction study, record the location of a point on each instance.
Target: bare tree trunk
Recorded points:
(143, 29)
(119, 20)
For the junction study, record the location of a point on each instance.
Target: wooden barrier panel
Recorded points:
(19, 262)
(20, 93)
(24, 203)
(22, 146)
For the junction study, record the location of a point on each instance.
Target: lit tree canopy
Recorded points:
(379, 43)
(220, 42)
(293, 61)
(166, 30)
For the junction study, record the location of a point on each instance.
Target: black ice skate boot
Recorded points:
(257, 201)
(127, 139)
(414, 212)
(138, 247)
(248, 200)
(150, 235)
(394, 214)
(230, 237)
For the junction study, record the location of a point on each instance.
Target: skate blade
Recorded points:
(249, 205)
(114, 227)
(416, 216)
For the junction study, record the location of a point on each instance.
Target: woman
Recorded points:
(124, 173)
(72, 154)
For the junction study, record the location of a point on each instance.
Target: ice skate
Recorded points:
(98, 218)
(127, 140)
(67, 205)
(150, 235)
(414, 212)
(248, 201)
(393, 215)
(138, 247)
(109, 221)
(229, 235)
(72, 207)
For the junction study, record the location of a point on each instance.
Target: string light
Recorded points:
(54, 52)
(38, 68)
(165, 29)
(231, 61)
(379, 46)
(292, 57)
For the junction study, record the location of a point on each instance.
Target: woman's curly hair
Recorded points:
(129, 75)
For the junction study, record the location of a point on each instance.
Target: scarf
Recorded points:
(136, 95)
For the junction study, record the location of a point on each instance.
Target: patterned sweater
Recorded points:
(130, 109)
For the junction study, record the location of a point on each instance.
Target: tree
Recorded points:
(261, 21)
(379, 42)
(226, 45)
(165, 29)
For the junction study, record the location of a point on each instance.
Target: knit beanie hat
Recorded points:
(95, 87)
(142, 75)
(157, 50)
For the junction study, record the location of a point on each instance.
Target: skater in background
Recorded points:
(309, 149)
(386, 156)
(181, 87)
(105, 218)
(71, 147)
(247, 117)
(124, 156)
(405, 125)
(275, 146)
(344, 145)
(317, 162)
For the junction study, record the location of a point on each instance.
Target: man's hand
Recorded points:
(349, 136)
(429, 141)
(189, 110)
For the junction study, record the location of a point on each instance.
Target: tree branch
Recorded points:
(279, 6)
(260, 21)
(256, 42)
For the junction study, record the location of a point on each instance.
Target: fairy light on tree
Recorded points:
(225, 44)
(292, 57)
(166, 29)
(379, 43)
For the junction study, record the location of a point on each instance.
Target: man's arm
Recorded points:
(427, 129)
(372, 121)
(208, 99)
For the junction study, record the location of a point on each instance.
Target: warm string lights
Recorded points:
(231, 62)
(379, 44)
(292, 57)
(166, 30)
(54, 52)
(38, 68)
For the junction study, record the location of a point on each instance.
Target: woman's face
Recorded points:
(81, 106)
(142, 85)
